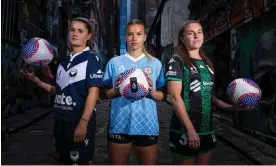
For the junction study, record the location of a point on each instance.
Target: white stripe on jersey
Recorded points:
(75, 74)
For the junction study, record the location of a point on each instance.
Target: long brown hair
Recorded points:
(88, 26)
(182, 50)
(139, 22)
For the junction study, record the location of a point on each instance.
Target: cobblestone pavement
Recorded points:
(33, 145)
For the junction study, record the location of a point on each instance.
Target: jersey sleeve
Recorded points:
(160, 81)
(94, 73)
(174, 69)
(107, 80)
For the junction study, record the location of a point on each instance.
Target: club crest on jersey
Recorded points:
(148, 70)
(73, 73)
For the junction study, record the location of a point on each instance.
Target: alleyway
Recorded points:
(33, 144)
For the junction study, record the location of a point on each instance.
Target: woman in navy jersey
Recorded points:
(78, 79)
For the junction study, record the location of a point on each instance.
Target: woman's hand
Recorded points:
(193, 139)
(30, 76)
(151, 93)
(240, 108)
(116, 86)
(80, 131)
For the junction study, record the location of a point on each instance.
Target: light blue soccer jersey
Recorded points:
(138, 117)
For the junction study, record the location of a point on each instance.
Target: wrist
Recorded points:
(116, 91)
(189, 127)
(37, 81)
(84, 121)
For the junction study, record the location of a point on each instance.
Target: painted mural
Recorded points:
(218, 22)
(232, 13)
(255, 51)
(12, 82)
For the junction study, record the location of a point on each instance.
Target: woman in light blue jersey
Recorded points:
(133, 123)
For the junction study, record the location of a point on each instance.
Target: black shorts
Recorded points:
(179, 146)
(138, 140)
(71, 152)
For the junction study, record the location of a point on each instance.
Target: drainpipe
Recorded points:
(122, 26)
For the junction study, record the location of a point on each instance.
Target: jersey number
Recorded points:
(183, 141)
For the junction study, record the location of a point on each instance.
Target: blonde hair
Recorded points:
(182, 50)
(139, 22)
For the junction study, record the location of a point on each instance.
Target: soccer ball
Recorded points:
(134, 84)
(37, 52)
(244, 92)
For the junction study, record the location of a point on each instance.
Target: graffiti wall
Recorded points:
(17, 93)
(174, 14)
(253, 49)
(11, 62)
(232, 13)
(12, 82)
(53, 20)
(218, 22)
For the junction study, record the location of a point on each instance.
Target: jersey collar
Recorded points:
(134, 59)
(76, 54)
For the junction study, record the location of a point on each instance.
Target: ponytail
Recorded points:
(89, 44)
(146, 52)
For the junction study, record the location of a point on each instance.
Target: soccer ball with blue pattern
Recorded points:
(37, 52)
(134, 90)
(244, 92)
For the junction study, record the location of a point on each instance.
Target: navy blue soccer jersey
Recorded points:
(75, 75)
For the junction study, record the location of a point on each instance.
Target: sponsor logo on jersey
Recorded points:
(195, 86)
(64, 102)
(99, 74)
(208, 83)
(171, 73)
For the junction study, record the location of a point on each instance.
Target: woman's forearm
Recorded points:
(158, 95)
(111, 93)
(180, 110)
(47, 87)
(90, 104)
(219, 103)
